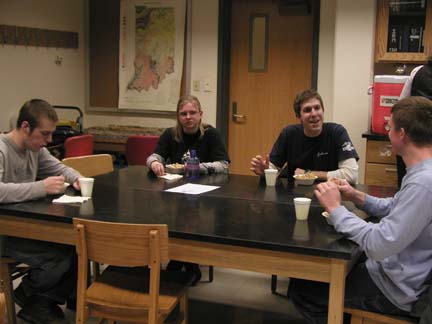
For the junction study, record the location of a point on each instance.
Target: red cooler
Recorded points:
(386, 91)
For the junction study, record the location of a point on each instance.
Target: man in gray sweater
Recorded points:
(27, 172)
(396, 266)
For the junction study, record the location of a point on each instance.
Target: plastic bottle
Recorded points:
(192, 166)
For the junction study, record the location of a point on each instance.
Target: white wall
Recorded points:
(31, 72)
(346, 66)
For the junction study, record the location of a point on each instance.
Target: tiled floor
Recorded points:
(235, 297)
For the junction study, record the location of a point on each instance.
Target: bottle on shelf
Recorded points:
(192, 167)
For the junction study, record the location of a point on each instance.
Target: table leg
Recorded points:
(337, 291)
(2, 308)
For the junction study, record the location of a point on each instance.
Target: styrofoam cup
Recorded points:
(86, 185)
(302, 205)
(270, 176)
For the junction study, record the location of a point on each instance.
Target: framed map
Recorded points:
(151, 51)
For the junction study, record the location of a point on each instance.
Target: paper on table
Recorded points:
(192, 189)
(170, 176)
(65, 199)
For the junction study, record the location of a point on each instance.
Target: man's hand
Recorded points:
(259, 165)
(158, 168)
(54, 185)
(328, 195)
(76, 185)
(348, 192)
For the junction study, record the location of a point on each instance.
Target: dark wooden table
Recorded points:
(243, 224)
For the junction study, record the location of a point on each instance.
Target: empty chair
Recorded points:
(131, 291)
(139, 147)
(78, 146)
(90, 165)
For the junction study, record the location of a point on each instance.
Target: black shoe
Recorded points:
(174, 265)
(42, 310)
(195, 270)
(19, 296)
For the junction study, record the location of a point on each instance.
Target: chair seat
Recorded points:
(362, 316)
(128, 288)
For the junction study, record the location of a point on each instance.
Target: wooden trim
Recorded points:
(37, 229)
(375, 318)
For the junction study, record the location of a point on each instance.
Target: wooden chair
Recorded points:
(365, 317)
(91, 165)
(78, 146)
(139, 148)
(9, 271)
(139, 295)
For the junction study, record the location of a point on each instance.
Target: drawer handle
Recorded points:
(390, 170)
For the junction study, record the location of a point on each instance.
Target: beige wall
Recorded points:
(31, 72)
(345, 66)
(345, 62)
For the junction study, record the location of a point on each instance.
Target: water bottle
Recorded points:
(192, 166)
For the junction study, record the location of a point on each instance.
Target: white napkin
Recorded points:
(65, 199)
(170, 176)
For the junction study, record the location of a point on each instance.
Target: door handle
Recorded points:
(236, 117)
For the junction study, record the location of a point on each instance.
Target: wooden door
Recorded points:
(265, 98)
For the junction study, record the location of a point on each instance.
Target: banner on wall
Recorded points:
(151, 53)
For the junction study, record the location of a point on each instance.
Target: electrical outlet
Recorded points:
(207, 85)
(196, 85)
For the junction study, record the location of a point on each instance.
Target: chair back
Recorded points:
(90, 165)
(78, 145)
(139, 148)
(120, 244)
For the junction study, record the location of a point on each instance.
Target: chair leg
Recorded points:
(273, 283)
(211, 273)
(183, 303)
(7, 288)
(2, 308)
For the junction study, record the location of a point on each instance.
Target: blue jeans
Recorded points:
(311, 297)
(53, 271)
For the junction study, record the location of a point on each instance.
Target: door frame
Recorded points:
(224, 62)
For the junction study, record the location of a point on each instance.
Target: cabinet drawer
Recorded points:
(380, 152)
(381, 174)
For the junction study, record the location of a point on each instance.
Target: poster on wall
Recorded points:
(151, 53)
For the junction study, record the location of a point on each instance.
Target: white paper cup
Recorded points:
(302, 207)
(270, 176)
(86, 185)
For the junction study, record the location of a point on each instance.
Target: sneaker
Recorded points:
(42, 310)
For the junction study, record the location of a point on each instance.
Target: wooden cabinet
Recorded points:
(403, 31)
(380, 164)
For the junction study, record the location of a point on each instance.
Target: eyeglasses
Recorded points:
(185, 113)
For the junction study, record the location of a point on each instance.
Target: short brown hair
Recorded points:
(33, 110)
(304, 96)
(414, 115)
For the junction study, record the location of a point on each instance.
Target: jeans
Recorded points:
(311, 297)
(53, 266)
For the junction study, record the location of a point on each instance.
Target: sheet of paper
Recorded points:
(65, 199)
(170, 176)
(192, 189)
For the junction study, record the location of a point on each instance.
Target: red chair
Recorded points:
(139, 148)
(78, 146)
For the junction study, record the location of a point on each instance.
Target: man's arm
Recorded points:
(49, 166)
(348, 170)
(16, 192)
